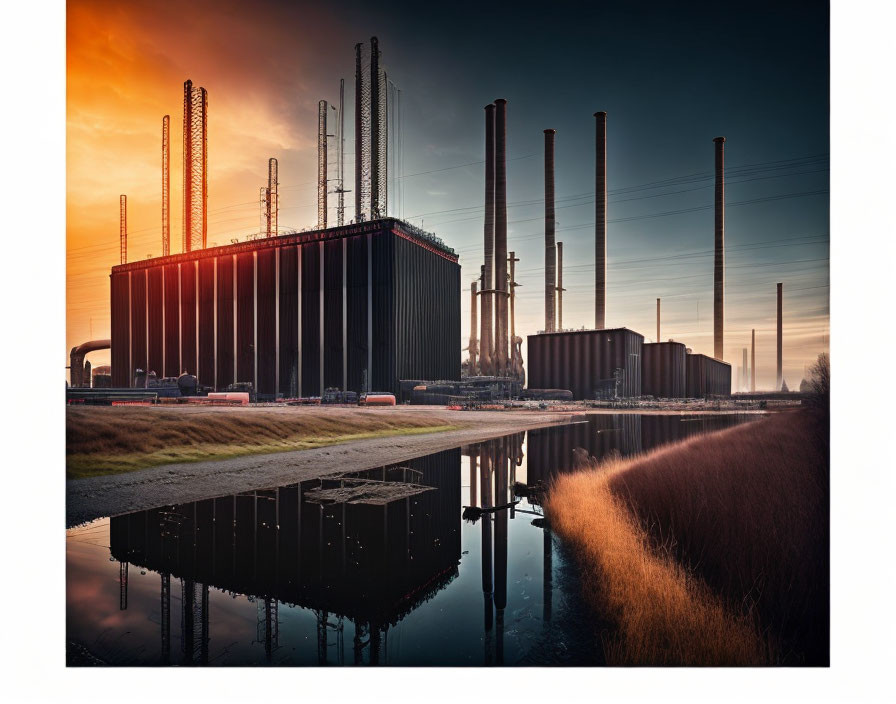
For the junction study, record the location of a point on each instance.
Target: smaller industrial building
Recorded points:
(664, 369)
(592, 364)
(707, 377)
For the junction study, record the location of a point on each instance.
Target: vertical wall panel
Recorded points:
(188, 317)
(206, 373)
(154, 363)
(172, 323)
(266, 321)
(121, 322)
(310, 338)
(245, 317)
(384, 373)
(356, 290)
(289, 320)
(138, 319)
(333, 314)
(225, 322)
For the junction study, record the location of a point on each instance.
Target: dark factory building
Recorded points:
(707, 376)
(664, 369)
(375, 301)
(590, 363)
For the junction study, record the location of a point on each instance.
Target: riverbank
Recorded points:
(102, 441)
(179, 482)
(712, 551)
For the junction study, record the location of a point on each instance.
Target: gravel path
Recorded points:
(94, 497)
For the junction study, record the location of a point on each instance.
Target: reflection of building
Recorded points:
(372, 302)
(557, 449)
(370, 562)
(493, 464)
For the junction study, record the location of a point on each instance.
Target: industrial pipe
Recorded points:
(550, 247)
(501, 337)
(600, 222)
(486, 352)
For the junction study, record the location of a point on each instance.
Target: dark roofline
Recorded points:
(427, 240)
(711, 359)
(581, 332)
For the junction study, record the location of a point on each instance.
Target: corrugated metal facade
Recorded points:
(663, 369)
(707, 377)
(580, 360)
(294, 314)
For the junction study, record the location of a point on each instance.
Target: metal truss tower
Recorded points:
(166, 186)
(340, 202)
(371, 133)
(123, 227)
(322, 163)
(272, 212)
(362, 135)
(195, 167)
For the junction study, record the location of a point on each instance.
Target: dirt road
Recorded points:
(87, 499)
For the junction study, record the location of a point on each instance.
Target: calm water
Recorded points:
(288, 576)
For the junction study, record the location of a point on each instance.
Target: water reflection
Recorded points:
(332, 568)
(369, 560)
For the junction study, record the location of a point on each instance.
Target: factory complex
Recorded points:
(372, 307)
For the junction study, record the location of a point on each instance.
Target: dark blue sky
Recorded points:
(671, 78)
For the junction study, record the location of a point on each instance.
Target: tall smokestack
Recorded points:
(600, 222)
(486, 342)
(744, 377)
(657, 319)
(780, 337)
(550, 247)
(166, 186)
(560, 288)
(753, 364)
(123, 227)
(718, 281)
(501, 341)
(473, 347)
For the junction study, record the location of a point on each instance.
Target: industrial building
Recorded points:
(356, 307)
(663, 369)
(590, 363)
(707, 377)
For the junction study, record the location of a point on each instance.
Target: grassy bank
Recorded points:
(114, 440)
(713, 551)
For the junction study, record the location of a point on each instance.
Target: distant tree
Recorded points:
(804, 386)
(784, 388)
(820, 383)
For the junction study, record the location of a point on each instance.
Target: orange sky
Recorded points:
(126, 64)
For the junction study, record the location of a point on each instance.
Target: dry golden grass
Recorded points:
(712, 551)
(113, 440)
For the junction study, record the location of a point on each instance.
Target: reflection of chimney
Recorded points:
(501, 342)
(718, 281)
(550, 248)
(600, 222)
(486, 342)
(780, 337)
(753, 363)
(657, 319)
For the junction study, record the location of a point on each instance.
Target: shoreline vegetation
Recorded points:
(708, 552)
(104, 441)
